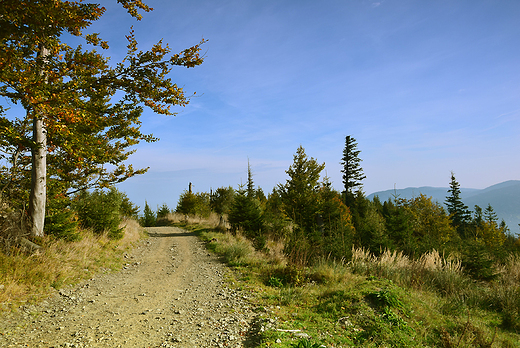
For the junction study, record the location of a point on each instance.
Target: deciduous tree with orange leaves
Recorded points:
(81, 115)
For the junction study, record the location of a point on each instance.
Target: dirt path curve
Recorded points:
(170, 293)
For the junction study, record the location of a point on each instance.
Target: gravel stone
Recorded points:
(169, 294)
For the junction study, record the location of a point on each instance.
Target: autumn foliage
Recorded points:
(87, 110)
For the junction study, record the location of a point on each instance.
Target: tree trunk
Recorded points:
(38, 195)
(37, 199)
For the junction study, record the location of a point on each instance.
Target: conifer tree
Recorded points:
(352, 171)
(222, 199)
(334, 223)
(149, 218)
(478, 217)
(250, 183)
(246, 215)
(300, 201)
(490, 215)
(162, 215)
(459, 213)
(275, 220)
(299, 193)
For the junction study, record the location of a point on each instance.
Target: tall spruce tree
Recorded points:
(352, 171)
(458, 211)
(299, 193)
(250, 183)
(300, 202)
(490, 215)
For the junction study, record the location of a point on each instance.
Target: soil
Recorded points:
(170, 293)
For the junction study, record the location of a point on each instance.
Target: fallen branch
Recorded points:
(29, 245)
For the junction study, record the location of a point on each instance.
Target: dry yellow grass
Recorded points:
(431, 270)
(433, 261)
(26, 277)
(275, 252)
(212, 221)
(510, 271)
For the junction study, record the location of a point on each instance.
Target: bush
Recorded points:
(163, 211)
(246, 216)
(60, 220)
(194, 204)
(100, 211)
(478, 261)
(148, 219)
(128, 209)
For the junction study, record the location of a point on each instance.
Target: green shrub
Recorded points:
(60, 219)
(275, 282)
(148, 219)
(163, 211)
(100, 211)
(285, 276)
(386, 298)
(162, 216)
(127, 208)
(194, 204)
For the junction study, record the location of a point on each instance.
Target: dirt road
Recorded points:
(170, 293)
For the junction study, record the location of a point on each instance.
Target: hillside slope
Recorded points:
(503, 197)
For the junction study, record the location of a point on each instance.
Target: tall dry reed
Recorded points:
(431, 270)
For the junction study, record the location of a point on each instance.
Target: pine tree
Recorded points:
(222, 199)
(334, 224)
(459, 213)
(490, 215)
(250, 183)
(246, 215)
(478, 219)
(300, 202)
(148, 219)
(163, 211)
(275, 220)
(352, 171)
(299, 194)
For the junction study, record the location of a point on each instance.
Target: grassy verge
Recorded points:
(27, 277)
(386, 301)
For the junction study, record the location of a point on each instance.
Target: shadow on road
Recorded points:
(162, 235)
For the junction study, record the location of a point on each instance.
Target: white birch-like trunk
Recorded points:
(38, 196)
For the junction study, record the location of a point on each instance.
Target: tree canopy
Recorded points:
(82, 115)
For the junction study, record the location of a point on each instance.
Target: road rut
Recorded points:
(170, 293)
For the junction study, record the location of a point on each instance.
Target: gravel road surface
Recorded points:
(170, 293)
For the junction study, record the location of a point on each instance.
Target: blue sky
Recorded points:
(426, 88)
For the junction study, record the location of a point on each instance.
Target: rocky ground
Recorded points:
(171, 293)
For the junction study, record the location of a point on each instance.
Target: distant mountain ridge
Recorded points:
(503, 197)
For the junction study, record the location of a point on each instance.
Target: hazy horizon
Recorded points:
(425, 88)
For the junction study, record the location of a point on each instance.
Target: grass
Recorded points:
(27, 277)
(385, 301)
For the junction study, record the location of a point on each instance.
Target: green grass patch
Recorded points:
(371, 303)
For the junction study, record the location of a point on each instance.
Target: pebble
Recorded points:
(208, 314)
